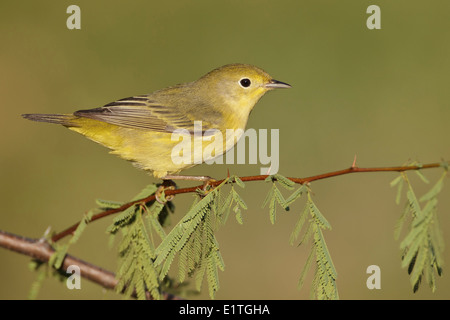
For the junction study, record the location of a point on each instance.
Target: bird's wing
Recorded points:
(145, 113)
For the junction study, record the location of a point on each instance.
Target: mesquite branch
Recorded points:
(39, 249)
(352, 169)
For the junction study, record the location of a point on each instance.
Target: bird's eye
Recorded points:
(245, 82)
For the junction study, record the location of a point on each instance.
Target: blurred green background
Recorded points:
(380, 94)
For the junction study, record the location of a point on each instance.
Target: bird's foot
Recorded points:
(165, 185)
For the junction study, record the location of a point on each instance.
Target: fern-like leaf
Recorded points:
(275, 196)
(324, 280)
(423, 245)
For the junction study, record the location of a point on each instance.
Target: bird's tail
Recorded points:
(63, 119)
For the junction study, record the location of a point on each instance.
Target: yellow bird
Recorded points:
(140, 128)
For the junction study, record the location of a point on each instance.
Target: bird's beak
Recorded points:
(274, 84)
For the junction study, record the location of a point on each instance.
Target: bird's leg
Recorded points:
(167, 184)
(189, 178)
(205, 179)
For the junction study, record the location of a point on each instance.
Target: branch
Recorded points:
(42, 251)
(352, 169)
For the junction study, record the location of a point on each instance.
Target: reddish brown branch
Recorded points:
(42, 251)
(352, 169)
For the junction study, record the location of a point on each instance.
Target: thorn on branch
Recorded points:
(354, 163)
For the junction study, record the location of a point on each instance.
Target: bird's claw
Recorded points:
(208, 183)
(166, 185)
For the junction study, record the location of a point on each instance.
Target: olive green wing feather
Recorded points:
(146, 113)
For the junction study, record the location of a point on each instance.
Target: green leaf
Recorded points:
(136, 270)
(324, 280)
(413, 203)
(306, 268)
(238, 214)
(399, 181)
(57, 258)
(285, 182)
(422, 246)
(37, 284)
(280, 199)
(107, 205)
(419, 265)
(421, 176)
(122, 219)
(400, 222)
(396, 181)
(272, 210)
(81, 226)
(269, 196)
(200, 276)
(154, 223)
(435, 190)
(193, 238)
(224, 210)
(146, 192)
(326, 254)
(399, 192)
(308, 235)
(324, 284)
(315, 212)
(239, 181)
(299, 225)
(237, 198)
(274, 196)
(295, 195)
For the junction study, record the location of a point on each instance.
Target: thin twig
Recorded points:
(352, 169)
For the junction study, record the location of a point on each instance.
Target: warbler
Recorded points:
(140, 128)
